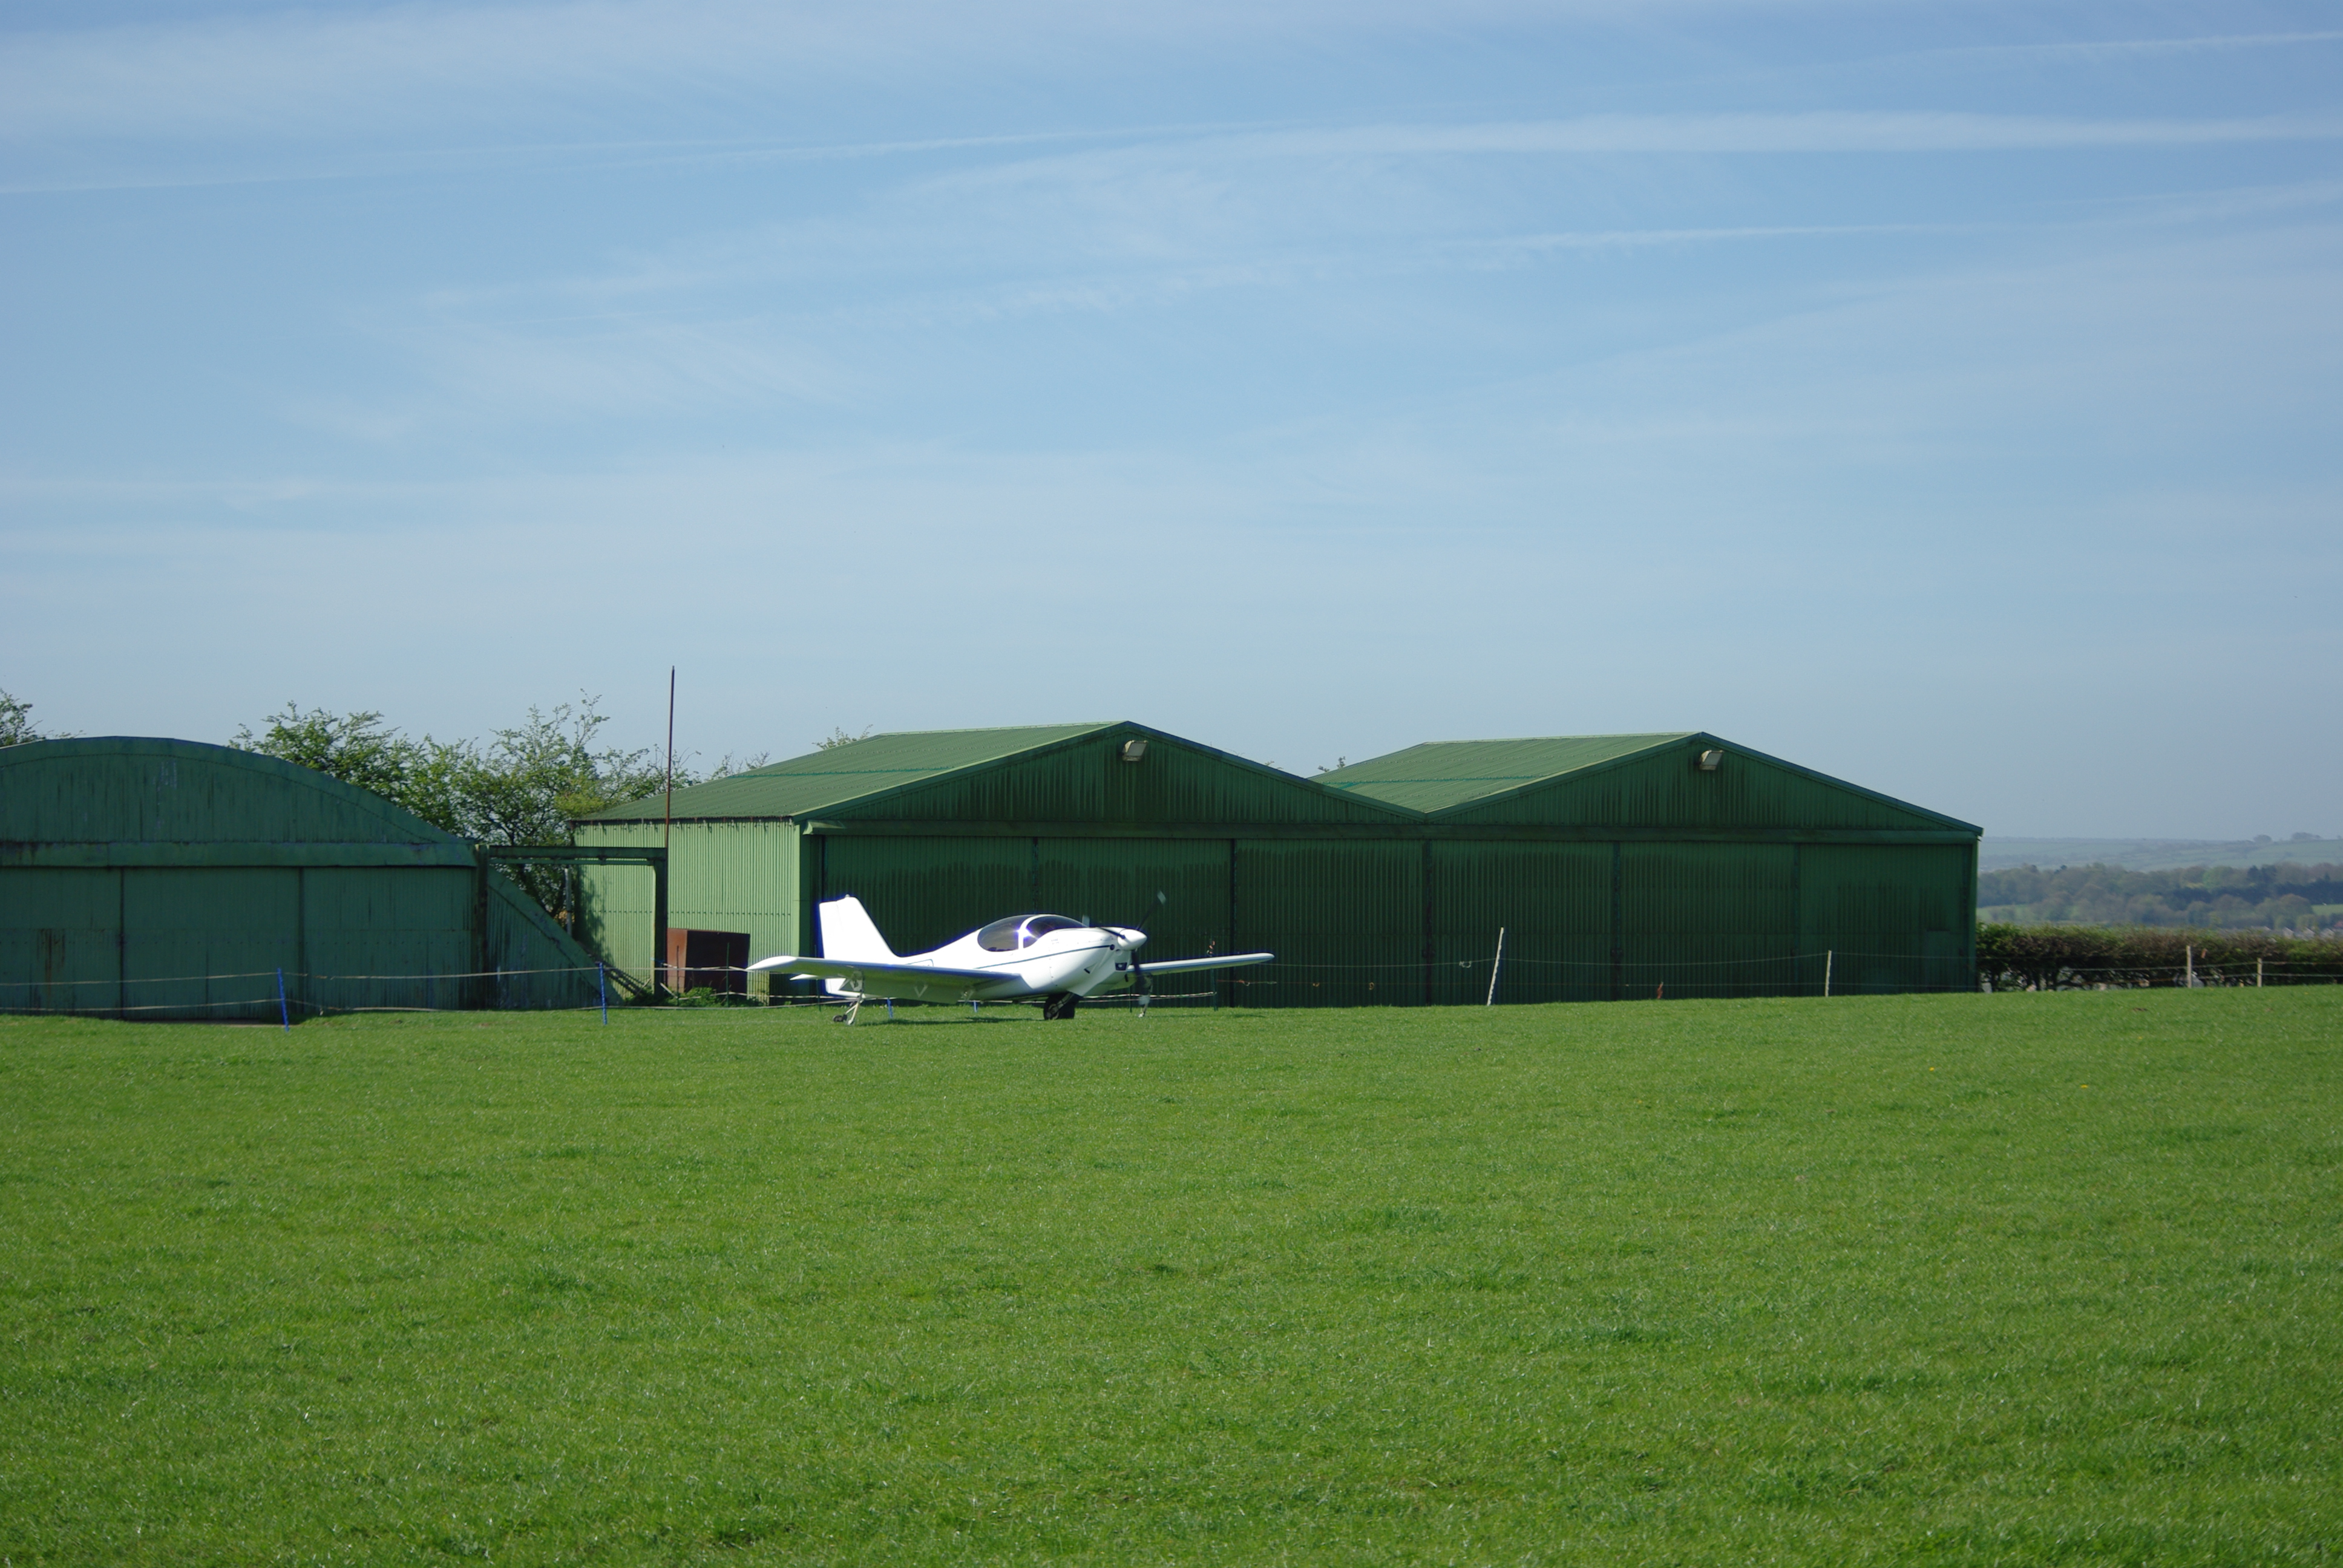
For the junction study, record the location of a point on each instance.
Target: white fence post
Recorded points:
(1494, 965)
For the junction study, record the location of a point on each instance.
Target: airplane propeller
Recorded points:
(1138, 969)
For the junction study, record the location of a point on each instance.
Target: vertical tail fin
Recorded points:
(849, 932)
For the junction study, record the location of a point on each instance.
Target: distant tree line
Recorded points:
(2049, 958)
(2281, 897)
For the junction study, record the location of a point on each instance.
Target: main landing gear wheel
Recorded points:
(1060, 1004)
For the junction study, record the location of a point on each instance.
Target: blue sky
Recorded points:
(1942, 396)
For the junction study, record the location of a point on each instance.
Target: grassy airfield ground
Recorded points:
(1960, 1279)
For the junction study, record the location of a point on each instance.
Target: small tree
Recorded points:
(17, 726)
(352, 747)
(523, 786)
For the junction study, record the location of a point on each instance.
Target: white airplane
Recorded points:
(1047, 956)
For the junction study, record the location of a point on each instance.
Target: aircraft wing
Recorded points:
(1180, 966)
(910, 981)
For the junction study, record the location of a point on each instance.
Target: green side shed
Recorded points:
(156, 879)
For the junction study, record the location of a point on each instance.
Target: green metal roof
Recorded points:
(828, 779)
(1440, 774)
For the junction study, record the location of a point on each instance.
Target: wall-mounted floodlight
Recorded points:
(1711, 760)
(1133, 750)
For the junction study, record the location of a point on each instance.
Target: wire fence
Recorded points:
(283, 995)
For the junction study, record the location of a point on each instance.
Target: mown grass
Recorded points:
(2021, 1279)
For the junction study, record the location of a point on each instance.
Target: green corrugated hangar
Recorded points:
(169, 879)
(1615, 866)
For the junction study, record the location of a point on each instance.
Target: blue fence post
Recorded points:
(602, 982)
(284, 1013)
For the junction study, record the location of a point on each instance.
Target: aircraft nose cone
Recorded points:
(1128, 936)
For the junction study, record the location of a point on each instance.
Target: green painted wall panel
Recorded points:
(721, 877)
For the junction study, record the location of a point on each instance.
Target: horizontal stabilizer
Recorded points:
(1181, 966)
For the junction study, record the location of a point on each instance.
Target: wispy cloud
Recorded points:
(438, 65)
(1818, 132)
(2127, 48)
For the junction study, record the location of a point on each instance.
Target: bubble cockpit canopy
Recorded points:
(1020, 932)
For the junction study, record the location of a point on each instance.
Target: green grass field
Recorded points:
(1959, 1279)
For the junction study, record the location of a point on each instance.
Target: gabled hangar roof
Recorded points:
(1050, 772)
(1634, 781)
(823, 779)
(1065, 773)
(1440, 774)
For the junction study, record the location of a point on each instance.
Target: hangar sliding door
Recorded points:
(1552, 901)
(1893, 917)
(207, 942)
(1346, 919)
(1708, 920)
(1175, 889)
(373, 938)
(923, 890)
(60, 939)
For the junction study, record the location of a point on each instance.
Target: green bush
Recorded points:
(2052, 958)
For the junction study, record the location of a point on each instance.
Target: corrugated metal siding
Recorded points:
(1707, 919)
(1114, 882)
(615, 903)
(209, 941)
(1895, 918)
(922, 892)
(721, 877)
(532, 962)
(60, 941)
(377, 942)
(1344, 919)
(1553, 903)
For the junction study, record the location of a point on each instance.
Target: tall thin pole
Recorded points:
(667, 827)
(1494, 965)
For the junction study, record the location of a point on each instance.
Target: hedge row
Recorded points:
(2049, 958)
